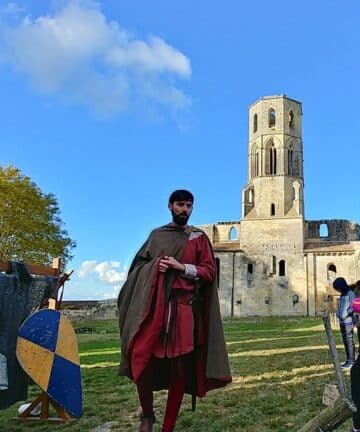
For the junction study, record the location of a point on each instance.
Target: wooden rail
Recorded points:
(37, 269)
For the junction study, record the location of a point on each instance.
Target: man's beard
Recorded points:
(180, 219)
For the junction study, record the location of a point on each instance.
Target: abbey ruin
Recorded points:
(273, 261)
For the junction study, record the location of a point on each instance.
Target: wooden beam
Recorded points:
(37, 269)
(331, 417)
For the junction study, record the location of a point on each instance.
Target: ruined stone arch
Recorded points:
(323, 229)
(233, 234)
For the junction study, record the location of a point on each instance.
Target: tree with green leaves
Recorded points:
(31, 229)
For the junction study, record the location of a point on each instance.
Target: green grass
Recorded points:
(280, 367)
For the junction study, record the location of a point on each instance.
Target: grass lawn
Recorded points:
(280, 367)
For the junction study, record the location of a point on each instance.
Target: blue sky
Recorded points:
(112, 105)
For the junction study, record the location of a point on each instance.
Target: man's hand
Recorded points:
(170, 262)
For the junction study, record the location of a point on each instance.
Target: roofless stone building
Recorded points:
(273, 261)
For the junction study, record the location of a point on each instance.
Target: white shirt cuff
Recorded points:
(190, 271)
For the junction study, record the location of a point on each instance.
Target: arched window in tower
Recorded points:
(272, 209)
(282, 268)
(254, 161)
(272, 157)
(290, 160)
(331, 272)
(295, 163)
(233, 235)
(255, 123)
(272, 118)
(291, 119)
(323, 230)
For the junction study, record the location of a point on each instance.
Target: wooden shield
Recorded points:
(47, 350)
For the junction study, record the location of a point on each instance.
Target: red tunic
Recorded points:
(178, 326)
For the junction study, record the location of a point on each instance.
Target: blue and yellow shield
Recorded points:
(47, 350)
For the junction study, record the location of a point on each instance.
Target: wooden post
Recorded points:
(334, 355)
(56, 264)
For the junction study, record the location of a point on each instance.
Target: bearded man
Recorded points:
(169, 317)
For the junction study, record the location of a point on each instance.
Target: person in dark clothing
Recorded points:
(355, 393)
(346, 318)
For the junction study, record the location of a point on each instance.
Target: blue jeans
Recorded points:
(347, 334)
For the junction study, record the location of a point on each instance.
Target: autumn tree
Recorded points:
(31, 229)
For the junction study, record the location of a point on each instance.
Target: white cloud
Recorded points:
(105, 271)
(156, 55)
(95, 280)
(86, 59)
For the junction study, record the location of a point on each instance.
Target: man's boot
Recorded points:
(146, 424)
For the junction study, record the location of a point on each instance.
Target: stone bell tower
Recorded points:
(272, 224)
(275, 160)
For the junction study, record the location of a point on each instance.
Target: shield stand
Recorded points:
(45, 401)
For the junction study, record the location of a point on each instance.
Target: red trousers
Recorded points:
(177, 380)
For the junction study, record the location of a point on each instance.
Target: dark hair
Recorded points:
(340, 284)
(181, 195)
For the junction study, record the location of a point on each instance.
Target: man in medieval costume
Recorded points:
(169, 317)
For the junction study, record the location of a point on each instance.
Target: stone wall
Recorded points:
(90, 310)
(336, 229)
